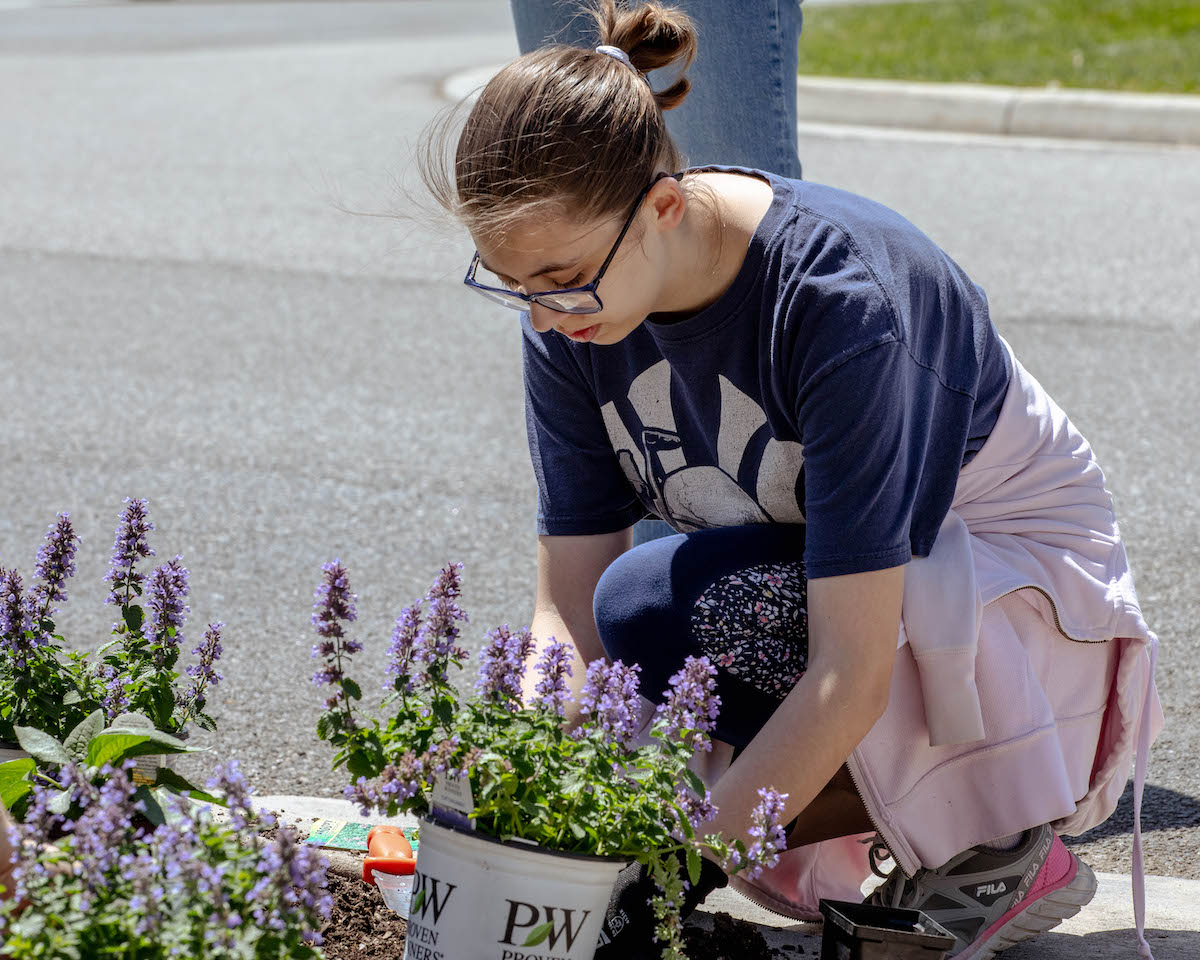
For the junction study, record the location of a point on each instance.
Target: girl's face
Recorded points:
(559, 253)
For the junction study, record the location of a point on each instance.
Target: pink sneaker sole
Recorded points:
(1064, 886)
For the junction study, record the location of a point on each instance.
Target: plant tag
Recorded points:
(452, 801)
(145, 769)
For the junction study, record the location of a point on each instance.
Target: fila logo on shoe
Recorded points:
(988, 893)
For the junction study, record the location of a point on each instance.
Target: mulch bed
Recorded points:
(361, 927)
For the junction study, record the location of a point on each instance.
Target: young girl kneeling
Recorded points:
(895, 548)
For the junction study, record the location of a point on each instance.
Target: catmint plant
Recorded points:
(98, 880)
(595, 787)
(44, 686)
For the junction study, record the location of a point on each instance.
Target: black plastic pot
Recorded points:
(862, 931)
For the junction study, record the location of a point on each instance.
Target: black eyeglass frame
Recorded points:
(520, 301)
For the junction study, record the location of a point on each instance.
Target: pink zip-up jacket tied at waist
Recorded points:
(1024, 680)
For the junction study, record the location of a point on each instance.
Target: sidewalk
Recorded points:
(971, 108)
(1104, 929)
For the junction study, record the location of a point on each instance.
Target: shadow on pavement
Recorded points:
(1166, 944)
(1162, 809)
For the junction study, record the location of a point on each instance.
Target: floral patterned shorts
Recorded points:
(753, 625)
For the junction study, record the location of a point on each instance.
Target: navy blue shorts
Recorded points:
(737, 595)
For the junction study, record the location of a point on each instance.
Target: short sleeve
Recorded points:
(581, 487)
(875, 457)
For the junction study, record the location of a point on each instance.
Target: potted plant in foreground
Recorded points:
(526, 823)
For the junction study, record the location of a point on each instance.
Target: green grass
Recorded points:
(1140, 45)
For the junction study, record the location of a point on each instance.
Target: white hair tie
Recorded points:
(617, 54)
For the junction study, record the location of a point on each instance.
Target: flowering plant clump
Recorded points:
(597, 788)
(93, 883)
(43, 687)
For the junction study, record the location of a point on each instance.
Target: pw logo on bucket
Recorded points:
(477, 898)
(534, 927)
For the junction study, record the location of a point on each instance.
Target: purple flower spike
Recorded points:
(115, 700)
(203, 675)
(692, 703)
(610, 699)
(334, 603)
(438, 640)
(401, 653)
(554, 666)
(697, 810)
(15, 615)
(767, 829)
(134, 525)
(502, 665)
(165, 595)
(56, 561)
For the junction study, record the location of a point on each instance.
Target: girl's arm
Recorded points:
(568, 570)
(853, 624)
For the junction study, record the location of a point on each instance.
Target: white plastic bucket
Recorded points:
(475, 897)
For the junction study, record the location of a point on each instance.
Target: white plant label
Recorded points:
(453, 794)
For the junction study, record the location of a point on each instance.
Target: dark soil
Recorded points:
(361, 927)
(729, 939)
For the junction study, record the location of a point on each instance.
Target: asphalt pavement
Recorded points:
(217, 292)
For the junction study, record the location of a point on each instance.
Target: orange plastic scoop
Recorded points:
(388, 851)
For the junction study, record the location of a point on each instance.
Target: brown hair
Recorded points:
(567, 131)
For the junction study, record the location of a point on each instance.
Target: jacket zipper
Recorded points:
(1053, 609)
(902, 863)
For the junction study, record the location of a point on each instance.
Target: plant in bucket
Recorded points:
(526, 821)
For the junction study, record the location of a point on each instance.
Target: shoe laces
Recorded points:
(890, 893)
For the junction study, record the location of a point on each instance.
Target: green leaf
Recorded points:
(168, 778)
(418, 903)
(133, 616)
(116, 745)
(134, 721)
(60, 803)
(41, 746)
(164, 704)
(694, 781)
(154, 811)
(538, 934)
(14, 780)
(359, 765)
(71, 697)
(324, 722)
(693, 865)
(77, 740)
(100, 652)
(353, 691)
(443, 710)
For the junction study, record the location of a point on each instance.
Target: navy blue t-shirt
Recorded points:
(841, 381)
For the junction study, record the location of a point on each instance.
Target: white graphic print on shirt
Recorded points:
(695, 496)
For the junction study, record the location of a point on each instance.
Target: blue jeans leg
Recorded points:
(742, 106)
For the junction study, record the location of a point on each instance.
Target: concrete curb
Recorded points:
(970, 108)
(1104, 929)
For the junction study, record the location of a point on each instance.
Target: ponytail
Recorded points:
(566, 131)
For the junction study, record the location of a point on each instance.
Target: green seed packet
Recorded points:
(344, 835)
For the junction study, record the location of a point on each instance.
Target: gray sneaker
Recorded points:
(993, 899)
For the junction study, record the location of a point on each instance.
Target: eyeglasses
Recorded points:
(577, 300)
